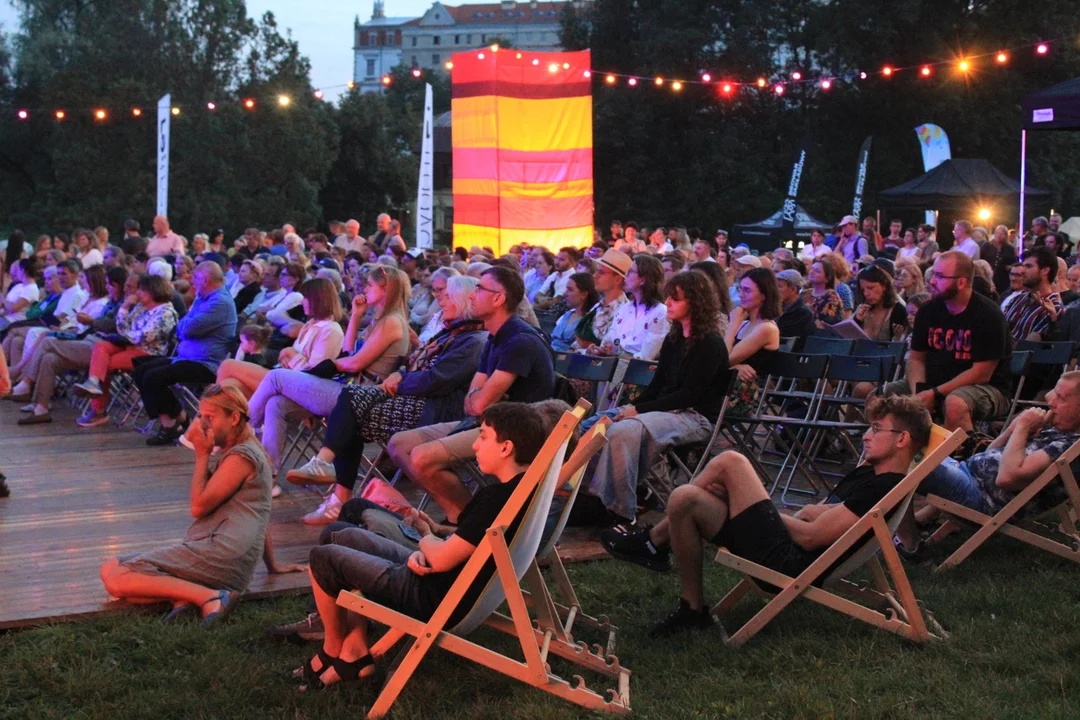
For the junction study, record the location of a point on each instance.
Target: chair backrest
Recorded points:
(562, 362)
(803, 366)
(1020, 361)
(787, 344)
(866, 347)
(541, 477)
(1048, 353)
(573, 470)
(942, 444)
(640, 372)
(591, 368)
(856, 368)
(822, 345)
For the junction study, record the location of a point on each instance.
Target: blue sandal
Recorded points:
(228, 599)
(178, 612)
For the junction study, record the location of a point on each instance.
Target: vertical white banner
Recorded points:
(164, 117)
(425, 196)
(935, 150)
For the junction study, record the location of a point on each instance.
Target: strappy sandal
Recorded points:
(309, 674)
(228, 599)
(178, 612)
(348, 672)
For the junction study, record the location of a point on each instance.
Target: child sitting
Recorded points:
(254, 339)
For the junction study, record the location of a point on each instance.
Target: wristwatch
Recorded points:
(938, 395)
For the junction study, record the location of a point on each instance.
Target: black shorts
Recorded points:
(759, 535)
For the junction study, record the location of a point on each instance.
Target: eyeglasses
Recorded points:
(941, 276)
(875, 429)
(487, 289)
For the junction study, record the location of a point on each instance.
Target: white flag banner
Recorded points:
(164, 117)
(935, 150)
(425, 196)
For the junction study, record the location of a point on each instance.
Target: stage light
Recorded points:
(964, 66)
(449, 65)
(136, 112)
(100, 114)
(416, 72)
(318, 94)
(761, 82)
(925, 71)
(796, 75)
(175, 111)
(386, 80)
(60, 114)
(1042, 48)
(1002, 58)
(886, 71)
(283, 100)
(23, 114)
(676, 86)
(249, 104)
(706, 77)
(984, 213)
(610, 79)
(351, 85)
(658, 81)
(826, 84)
(632, 82)
(779, 89)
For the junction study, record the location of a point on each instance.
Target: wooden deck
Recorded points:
(80, 496)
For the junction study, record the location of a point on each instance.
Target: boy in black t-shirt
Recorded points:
(728, 505)
(415, 582)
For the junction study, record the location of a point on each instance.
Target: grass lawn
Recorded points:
(1014, 653)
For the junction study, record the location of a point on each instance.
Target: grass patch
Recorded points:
(1012, 654)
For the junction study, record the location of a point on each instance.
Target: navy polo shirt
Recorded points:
(520, 350)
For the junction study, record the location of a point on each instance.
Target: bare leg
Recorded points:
(346, 636)
(694, 516)
(957, 414)
(242, 375)
(122, 582)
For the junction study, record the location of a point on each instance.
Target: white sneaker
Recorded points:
(90, 388)
(28, 408)
(326, 513)
(275, 491)
(314, 472)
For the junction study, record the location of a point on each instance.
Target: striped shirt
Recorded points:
(1026, 314)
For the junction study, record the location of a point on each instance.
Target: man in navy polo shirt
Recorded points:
(516, 365)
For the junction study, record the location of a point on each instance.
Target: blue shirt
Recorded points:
(564, 334)
(520, 350)
(207, 330)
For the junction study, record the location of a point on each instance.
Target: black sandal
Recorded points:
(312, 676)
(349, 672)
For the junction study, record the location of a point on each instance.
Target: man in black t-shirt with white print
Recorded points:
(960, 346)
(728, 505)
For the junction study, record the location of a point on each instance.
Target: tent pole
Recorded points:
(1023, 188)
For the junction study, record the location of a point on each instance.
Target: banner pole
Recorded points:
(164, 120)
(1023, 192)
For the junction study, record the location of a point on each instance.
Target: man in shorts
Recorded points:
(728, 505)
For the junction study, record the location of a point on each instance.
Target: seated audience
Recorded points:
(538, 275)
(554, 287)
(718, 277)
(639, 326)
(415, 582)
(248, 286)
(285, 394)
(434, 325)
(796, 320)
(909, 280)
(1031, 312)
(320, 339)
(210, 568)
(580, 295)
(821, 296)
(204, 336)
(881, 315)
(728, 505)
(254, 341)
(283, 306)
(516, 365)
(430, 389)
(753, 337)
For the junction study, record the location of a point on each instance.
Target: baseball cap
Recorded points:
(751, 260)
(617, 261)
(849, 219)
(330, 264)
(792, 276)
(415, 252)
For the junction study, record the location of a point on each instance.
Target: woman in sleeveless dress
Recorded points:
(753, 336)
(230, 499)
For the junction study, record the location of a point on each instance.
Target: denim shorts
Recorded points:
(952, 480)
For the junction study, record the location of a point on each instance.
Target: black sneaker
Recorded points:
(919, 556)
(636, 547)
(683, 619)
(310, 628)
(166, 436)
(4, 492)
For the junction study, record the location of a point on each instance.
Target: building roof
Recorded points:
(491, 13)
(387, 22)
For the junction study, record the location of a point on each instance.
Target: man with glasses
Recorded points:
(728, 505)
(958, 365)
(516, 365)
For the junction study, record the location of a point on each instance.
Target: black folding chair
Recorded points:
(892, 348)
(822, 345)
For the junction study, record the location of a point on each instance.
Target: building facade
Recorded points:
(376, 48)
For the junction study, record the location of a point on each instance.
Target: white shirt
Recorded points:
(28, 291)
(912, 251)
(92, 258)
(555, 283)
(638, 330)
(279, 314)
(809, 252)
(357, 243)
(969, 247)
(70, 300)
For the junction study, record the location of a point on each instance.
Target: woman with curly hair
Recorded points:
(678, 406)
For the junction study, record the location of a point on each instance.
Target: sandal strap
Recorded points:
(350, 671)
(313, 676)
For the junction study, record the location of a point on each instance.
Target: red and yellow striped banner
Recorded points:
(522, 136)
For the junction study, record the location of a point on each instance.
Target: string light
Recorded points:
(536, 61)
(796, 76)
(449, 65)
(1002, 58)
(283, 100)
(23, 114)
(726, 88)
(100, 114)
(518, 56)
(587, 74)
(176, 111)
(386, 80)
(137, 112)
(862, 76)
(886, 71)
(761, 82)
(416, 72)
(706, 77)
(553, 67)
(610, 79)
(213, 106)
(1042, 48)
(566, 66)
(925, 72)
(676, 86)
(60, 115)
(481, 56)
(495, 47)
(632, 82)
(779, 89)
(964, 66)
(319, 94)
(249, 103)
(659, 81)
(826, 84)
(350, 85)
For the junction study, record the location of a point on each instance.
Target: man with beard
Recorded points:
(1031, 313)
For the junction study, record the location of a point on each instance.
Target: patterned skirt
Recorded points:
(379, 415)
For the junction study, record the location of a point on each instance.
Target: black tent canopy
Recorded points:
(767, 235)
(954, 184)
(1054, 108)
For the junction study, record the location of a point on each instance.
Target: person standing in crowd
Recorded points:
(351, 240)
(796, 320)
(165, 241)
(205, 334)
(892, 242)
(580, 295)
(381, 238)
(927, 246)
(1005, 258)
(704, 250)
(814, 248)
(1065, 243)
(870, 232)
(616, 233)
(963, 241)
(639, 326)
(1031, 313)
(908, 246)
(851, 244)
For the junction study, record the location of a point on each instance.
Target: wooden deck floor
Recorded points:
(81, 496)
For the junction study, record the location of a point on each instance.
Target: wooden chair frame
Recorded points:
(895, 607)
(1043, 535)
(536, 643)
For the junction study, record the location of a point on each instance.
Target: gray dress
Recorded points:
(221, 549)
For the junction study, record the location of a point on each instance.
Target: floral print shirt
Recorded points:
(638, 330)
(151, 329)
(827, 307)
(984, 466)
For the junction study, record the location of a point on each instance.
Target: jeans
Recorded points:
(633, 446)
(952, 480)
(285, 394)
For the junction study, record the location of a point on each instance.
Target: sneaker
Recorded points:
(35, 419)
(90, 388)
(919, 556)
(28, 407)
(92, 419)
(683, 619)
(315, 471)
(636, 547)
(166, 436)
(4, 491)
(326, 513)
(275, 491)
(310, 628)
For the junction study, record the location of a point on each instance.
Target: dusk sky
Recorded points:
(323, 29)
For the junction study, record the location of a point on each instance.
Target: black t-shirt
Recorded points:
(518, 349)
(132, 244)
(953, 343)
(861, 489)
(797, 321)
(473, 523)
(688, 379)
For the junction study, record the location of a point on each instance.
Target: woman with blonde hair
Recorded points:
(378, 351)
(909, 280)
(320, 339)
(230, 500)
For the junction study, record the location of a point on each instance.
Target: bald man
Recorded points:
(382, 237)
(165, 241)
(205, 334)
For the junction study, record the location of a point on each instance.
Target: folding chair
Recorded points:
(787, 344)
(822, 345)
(638, 373)
(596, 370)
(889, 348)
(512, 562)
(1061, 537)
(1052, 354)
(895, 607)
(1019, 364)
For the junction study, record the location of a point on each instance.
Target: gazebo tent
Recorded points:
(1054, 108)
(954, 184)
(767, 235)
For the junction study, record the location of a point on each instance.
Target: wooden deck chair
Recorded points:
(512, 562)
(1054, 530)
(561, 618)
(894, 605)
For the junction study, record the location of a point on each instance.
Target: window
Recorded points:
(414, 60)
(414, 41)
(468, 39)
(483, 39)
(528, 36)
(436, 40)
(371, 67)
(435, 60)
(457, 39)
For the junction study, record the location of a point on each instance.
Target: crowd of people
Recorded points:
(444, 357)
